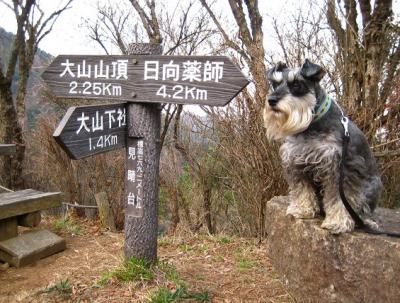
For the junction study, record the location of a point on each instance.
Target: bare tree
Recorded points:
(185, 36)
(114, 25)
(368, 52)
(202, 171)
(244, 140)
(150, 22)
(250, 45)
(32, 27)
(305, 34)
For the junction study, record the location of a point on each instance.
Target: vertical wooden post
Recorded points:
(144, 123)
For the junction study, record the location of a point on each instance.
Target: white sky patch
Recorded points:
(69, 37)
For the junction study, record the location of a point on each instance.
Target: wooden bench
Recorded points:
(7, 149)
(22, 208)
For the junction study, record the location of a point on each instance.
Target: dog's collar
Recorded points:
(322, 109)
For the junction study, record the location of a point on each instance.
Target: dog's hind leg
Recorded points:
(337, 219)
(303, 200)
(361, 196)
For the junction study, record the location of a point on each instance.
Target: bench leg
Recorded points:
(30, 220)
(8, 228)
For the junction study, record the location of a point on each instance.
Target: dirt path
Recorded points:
(229, 269)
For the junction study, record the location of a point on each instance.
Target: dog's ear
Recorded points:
(280, 66)
(312, 71)
(275, 73)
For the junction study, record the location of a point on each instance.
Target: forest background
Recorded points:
(218, 171)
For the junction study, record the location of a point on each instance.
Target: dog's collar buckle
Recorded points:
(345, 123)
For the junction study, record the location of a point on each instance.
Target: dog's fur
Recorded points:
(312, 150)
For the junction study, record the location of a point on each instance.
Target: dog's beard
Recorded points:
(290, 116)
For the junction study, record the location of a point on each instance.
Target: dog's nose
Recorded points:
(272, 100)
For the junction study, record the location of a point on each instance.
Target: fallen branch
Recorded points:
(387, 153)
(79, 205)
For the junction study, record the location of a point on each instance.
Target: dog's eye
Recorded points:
(274, 84)
(295, 84)
(297, 88)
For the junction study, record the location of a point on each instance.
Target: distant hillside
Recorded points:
(42, 60)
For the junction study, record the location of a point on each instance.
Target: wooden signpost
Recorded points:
(94, 129)
(146, 78)
(143, 78)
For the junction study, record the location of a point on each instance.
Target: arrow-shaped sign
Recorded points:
(90, 130)
(207, 80)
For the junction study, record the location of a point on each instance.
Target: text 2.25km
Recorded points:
(182, 92)
(95, 88)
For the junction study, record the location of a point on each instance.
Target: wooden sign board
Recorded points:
(206, 80)
(89, 130)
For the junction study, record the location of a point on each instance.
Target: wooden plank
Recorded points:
(89, 130)
(8, 228)
(7, 149)
(105, 211)
(30, 220)
(206, 80)
(30, 247)
(27, 201)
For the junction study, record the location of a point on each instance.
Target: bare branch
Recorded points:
(44, 29)
(19, 40)
(237, 10)
(150, 23)
(95, 35)
(280, 40)
(335, 24)
(229, 42)
(167, 121)
(365, 8)
(178, 144)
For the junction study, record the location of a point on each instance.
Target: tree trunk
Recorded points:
(175, 218)
(144, 122)
(207, 209)
(10, 132)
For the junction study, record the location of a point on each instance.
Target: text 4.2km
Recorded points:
(182, 92)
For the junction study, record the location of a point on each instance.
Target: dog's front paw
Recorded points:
(372, 224)
(336, 226)
(301, 212)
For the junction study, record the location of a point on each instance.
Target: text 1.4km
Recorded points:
(102, 142)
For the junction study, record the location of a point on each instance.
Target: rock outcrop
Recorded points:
(319, 267)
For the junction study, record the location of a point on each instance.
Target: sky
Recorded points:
(70, 37)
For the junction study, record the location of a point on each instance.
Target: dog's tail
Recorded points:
(357, 219)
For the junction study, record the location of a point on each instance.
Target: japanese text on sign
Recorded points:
(83, 71)
(94, 122)
(115, 70)
(134, 178)
(190, 71)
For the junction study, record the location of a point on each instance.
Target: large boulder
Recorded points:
(319, 267)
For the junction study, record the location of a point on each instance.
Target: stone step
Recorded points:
(27, 201)
(7, 149)
(30, 247)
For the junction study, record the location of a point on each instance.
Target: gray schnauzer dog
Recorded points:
(301, 113)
